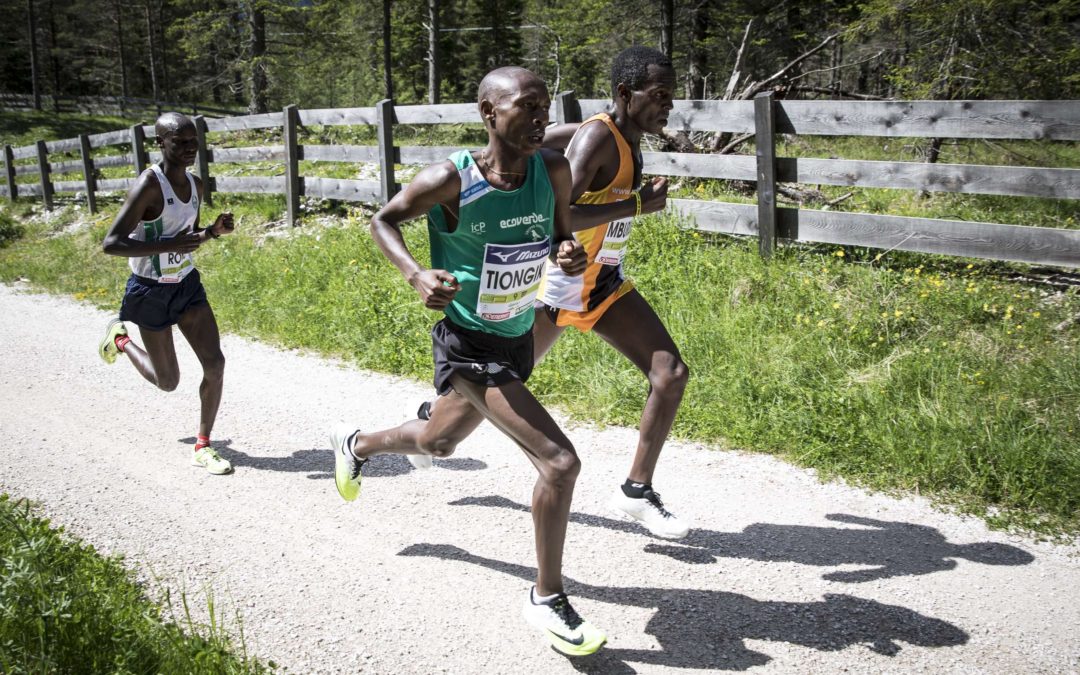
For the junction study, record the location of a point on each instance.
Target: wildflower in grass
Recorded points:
(898, 313)
(970, 266)
(1035, 314)
(925, 350)
(836, 305)
(839, 254)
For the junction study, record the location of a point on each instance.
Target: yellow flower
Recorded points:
(839, 254)
(1035, 314)
(970, 266)
(836, 305)
(926, 350)
(898, 313)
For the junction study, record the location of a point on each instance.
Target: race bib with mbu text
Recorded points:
(510, 279)
(613, 250)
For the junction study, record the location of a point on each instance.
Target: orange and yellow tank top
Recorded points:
(605, 244)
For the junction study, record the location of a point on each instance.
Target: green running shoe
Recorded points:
(346, 466)
(208, 458)
(107, 349)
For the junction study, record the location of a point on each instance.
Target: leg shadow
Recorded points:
(885, 548)
(707, 630)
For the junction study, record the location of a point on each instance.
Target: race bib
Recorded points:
(172, 267)
(510, 279)
(614, 248)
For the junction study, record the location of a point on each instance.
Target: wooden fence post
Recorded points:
(88, 172)
(43, 172)
(138, 149)
(567, 108)
(384, 117)
(765, 141)
(290, 121)
(9, 164)
(203, 161)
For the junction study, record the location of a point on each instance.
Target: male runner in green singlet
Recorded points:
(494, 217)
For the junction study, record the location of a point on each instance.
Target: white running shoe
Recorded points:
(421, 412)
(564, 628)
(347, 467)
(650, 512)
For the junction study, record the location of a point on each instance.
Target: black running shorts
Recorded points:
(156, 306)
(483, 358)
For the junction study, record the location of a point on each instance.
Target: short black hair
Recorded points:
(631, 66)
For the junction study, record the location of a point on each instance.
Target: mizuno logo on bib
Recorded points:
(510, 279)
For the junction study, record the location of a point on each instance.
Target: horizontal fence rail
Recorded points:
(764, 117)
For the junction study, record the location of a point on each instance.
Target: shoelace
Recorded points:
(654, 499)
(561, 607)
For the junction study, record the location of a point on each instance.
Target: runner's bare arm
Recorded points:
(557, 136)
(223, 224)
(435, 184)
(594, 161)
(568, 252)
(144, 202)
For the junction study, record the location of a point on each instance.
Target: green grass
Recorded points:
(66, 609)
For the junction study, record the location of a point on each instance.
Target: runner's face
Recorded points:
(522, 116)
(180, 146)
(650, 106)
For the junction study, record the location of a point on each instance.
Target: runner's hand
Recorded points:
(184, 243)
(571, 257)
(654, 195)
(223, 224)
(436, 287)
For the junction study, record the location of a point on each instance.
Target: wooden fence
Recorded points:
(764, 117)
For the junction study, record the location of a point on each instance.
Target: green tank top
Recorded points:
(498, 250)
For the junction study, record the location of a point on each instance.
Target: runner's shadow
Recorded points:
(319, 463)
(885, 548)
(707, 630)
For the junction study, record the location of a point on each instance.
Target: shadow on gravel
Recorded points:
(703, 629)
(886, 548)
(319, 463)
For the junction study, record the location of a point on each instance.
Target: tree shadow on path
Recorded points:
(318, 463)
(887, 548)
(703, 629)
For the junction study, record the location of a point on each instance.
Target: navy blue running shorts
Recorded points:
(155, 306)
(486, 359)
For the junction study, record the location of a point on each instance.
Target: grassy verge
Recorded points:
(66, 609)
(899, 372)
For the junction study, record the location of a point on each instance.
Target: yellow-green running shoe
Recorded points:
(346, 466)
(107, 349)
(209, 459)
(564, 628)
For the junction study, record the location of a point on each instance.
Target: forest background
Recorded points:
(263, 54)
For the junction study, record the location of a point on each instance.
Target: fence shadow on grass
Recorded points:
(318, 463)
(885, 548)
(705, 629)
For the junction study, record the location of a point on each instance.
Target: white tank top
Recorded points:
(177, 217)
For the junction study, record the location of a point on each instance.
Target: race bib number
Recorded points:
(614, 248)
(510, 279)
(172, 267)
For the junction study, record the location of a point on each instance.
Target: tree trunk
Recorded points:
(388, 80)
(257, 82)
(164, 53)
(35, 68)
(699, 33)
(153, 53)
(119, 16)
(667, 26)
(434, 65)
(53, 58)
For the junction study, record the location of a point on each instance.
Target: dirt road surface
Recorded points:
(427, 571)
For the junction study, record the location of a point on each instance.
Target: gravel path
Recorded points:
(426, 572)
